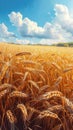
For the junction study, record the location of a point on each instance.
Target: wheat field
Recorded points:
(36, 87)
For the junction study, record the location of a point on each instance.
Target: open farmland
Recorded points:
(36, 87)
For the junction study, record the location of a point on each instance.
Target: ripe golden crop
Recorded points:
(36, 88)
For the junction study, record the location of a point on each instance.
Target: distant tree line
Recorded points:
(64, 44)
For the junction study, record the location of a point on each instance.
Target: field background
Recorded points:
(37, 50)
(36, 84)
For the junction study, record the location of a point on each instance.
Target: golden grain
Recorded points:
(36, 86)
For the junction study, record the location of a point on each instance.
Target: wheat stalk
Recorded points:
(47, 113)
(10, 117)
(23, 110)
(18, 94)
(49, 95)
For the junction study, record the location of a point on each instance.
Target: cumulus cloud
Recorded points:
(59, 30)
(4, 33)
(26, 27)
(16, 18)
(63, 17)
(22, 41)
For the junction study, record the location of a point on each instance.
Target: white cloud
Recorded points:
(26, 27)
(61, 10)
(2, 40)
(64, 18)
(59, 30)
(30, 28)
(48, 41)
(22, 41)
(16, 18)
(4, 33)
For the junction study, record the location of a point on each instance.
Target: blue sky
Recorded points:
(42, 21)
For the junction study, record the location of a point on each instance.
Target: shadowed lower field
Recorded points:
(36, 87)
